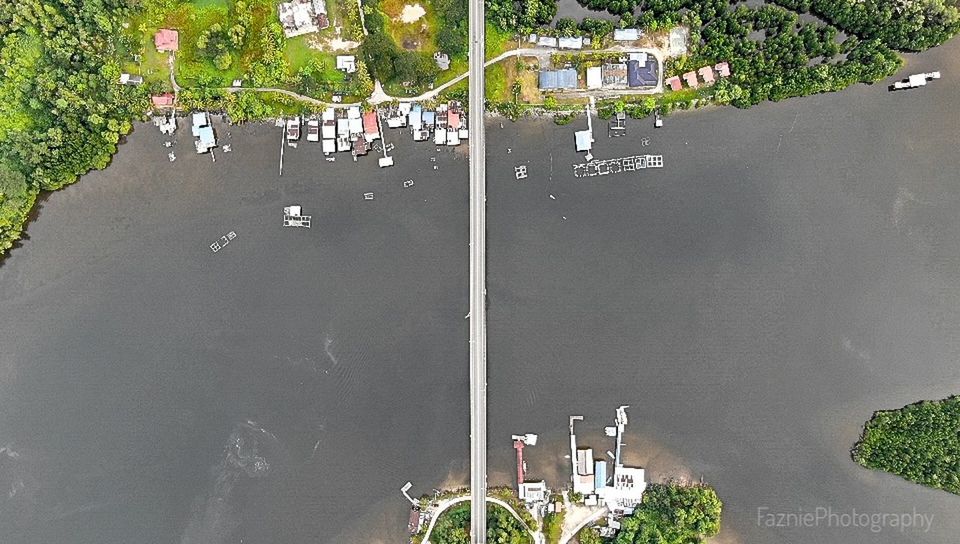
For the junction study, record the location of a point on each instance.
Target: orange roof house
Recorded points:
(674, 83)
(707, 74)
(166, 40)
(691, 79)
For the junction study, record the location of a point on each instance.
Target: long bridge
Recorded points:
(478, 282)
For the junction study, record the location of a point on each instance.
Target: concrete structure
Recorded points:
(706, 73)
(594, 77)
(570, 43)
(293, 129)
(302, 17)
(555, 80)
(626, 35)
(723, 69)
(131, 79)
(691, 79)
(674, 83)
(547, 41)
(678, 41)
(166, 40)
(916, 80)
(347, 63)
(478, 278)
(614, 75)
(584, 140)
(533, 492)
(203, 131)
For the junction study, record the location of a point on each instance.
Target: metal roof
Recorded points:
(558, 79)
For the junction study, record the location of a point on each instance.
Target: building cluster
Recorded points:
(302, 17)
(202, 130)
(708, 74)
(617, 487)
(635, 70)
(353, 130)
(446, 125)
(573, 42)
(620, 490)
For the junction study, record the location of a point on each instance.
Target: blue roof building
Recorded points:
(643, 74)
(600, 475)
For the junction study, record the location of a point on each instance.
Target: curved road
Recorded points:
(379, 96)
(445, 505)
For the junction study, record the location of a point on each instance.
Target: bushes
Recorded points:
(919, 442)
(672, 514)
(453, 526)
(61, 109)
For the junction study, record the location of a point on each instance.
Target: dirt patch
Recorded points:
(412, 13)
(335, 44)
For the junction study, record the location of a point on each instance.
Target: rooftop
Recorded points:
(166, 40)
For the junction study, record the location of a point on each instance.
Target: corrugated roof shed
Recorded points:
(626, 34)
(558, 79)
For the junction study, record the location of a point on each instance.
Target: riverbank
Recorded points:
(789, 271)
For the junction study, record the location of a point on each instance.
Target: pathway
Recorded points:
(379, 96)
(445, 505)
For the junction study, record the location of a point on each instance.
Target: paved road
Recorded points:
(478, 281)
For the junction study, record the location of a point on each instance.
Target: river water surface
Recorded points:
(794, 267)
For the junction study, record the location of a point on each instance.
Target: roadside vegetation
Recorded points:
(919, 442)
(672, 514)
(453, 526)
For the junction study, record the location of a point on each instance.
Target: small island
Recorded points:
(919, 442)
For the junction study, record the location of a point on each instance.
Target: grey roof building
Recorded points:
(565, 78)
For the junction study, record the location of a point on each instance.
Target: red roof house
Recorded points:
(162, 100)
(674, 83)
(691, 79)
(723, 69)
(370, 129)
(707, 74)
(453, 120)
(166, 40)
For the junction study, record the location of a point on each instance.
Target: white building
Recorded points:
(347, 63)
(594, 77)
(533, 492)
(627, 489)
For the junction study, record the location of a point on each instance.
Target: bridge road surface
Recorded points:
(478, 281)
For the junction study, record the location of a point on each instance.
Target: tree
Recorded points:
(672, 514)
(918, 442)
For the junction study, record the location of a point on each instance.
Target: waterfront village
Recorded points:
(633, 65)
(599, 493)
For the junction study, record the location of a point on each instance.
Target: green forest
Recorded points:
(919, 442)
(62, 111)
(453, 526)
(672, 514)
